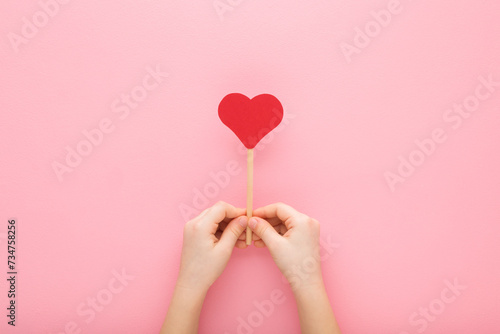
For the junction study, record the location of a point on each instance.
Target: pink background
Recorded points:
(348, 119)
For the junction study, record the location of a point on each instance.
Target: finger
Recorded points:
(282, 211)
(218, 213)
(228, 219)
(255, 236)
(259, 244)
(243, 236)
(265, 231)
(274, 221)
(201, 214)
(232, 232)
(241, 244)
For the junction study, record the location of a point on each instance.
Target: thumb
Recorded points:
(265, 231)
(232, 231)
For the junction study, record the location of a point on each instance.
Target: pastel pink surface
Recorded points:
(250, 119)
(387, 254)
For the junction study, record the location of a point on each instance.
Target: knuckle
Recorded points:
(232, 229)
(283, 205)
(303, 217)
(262, 229)
(220, 204)
(188, 228)
(188, 224)
(314, 222)
(195, 225)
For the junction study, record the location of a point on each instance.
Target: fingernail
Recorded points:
(252, 223)
(243, 221)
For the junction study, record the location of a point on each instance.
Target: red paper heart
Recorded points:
(251, 119)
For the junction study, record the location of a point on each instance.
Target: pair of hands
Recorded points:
(209, 239)
(293, 241)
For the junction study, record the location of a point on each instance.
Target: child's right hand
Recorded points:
(293, 241)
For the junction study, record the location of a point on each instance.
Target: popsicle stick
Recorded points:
(249, 192)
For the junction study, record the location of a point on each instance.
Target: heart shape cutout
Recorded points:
(250, 119)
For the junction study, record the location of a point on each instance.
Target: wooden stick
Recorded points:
(249, 192)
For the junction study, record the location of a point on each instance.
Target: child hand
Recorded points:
(209, 240)
(293, 241)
